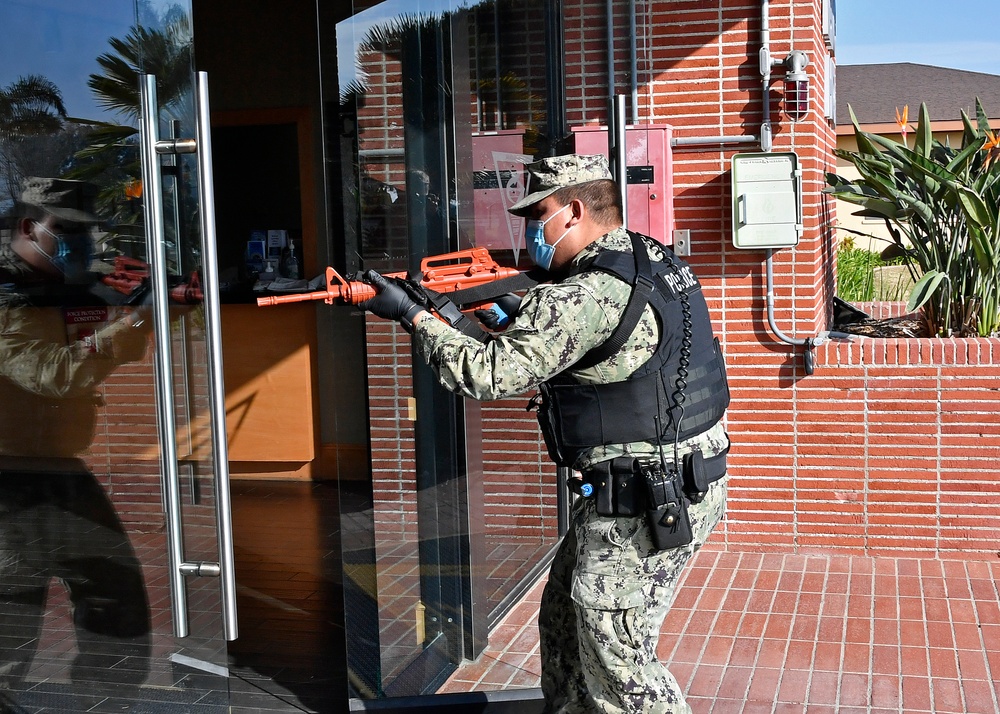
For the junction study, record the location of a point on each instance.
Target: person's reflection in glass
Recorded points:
(56, 521)
(426, 203)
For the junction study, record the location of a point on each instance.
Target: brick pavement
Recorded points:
(781, 633)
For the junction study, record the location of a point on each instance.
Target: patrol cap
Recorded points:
(62, 198)
(548, 175)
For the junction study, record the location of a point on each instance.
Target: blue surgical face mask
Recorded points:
(539, 251)
(72, 255)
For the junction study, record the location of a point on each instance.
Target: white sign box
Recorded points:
(767, 200)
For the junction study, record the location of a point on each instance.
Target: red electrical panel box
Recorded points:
(649, 168)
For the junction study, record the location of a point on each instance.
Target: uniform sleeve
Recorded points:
(556, 326)
(123, 342)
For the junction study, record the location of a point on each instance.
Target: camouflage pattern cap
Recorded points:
(62, 198)
(547, 176)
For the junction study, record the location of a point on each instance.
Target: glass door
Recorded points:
(115, 560)
(440, 105)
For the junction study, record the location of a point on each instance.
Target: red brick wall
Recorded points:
(518, 478)
(516, 66)
(124, 454)
(889, 444)
(392, 447)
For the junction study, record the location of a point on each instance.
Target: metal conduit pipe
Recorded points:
(610, 18)
(620, 166)
(497, 63)
(770, 308)
(633, 62)
(381, 153)
(765, 72)
(712, 140)
(765, 130)
(765, 133)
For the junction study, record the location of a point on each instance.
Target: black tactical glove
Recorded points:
(501, 313)
(391, 301)
(415, 290)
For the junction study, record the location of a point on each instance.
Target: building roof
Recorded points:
(875, 91)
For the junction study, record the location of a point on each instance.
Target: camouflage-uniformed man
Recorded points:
(56, 520)
(611, 584)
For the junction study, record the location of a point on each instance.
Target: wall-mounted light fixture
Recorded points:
(796, 85)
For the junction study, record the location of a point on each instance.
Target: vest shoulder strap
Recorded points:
(642, 288)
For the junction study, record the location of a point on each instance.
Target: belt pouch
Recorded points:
(618, 488)
(670, 525)
(695, 477)
(667, 515)
(630, 500)
(604, 493)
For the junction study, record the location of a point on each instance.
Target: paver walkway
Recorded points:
(754, 633)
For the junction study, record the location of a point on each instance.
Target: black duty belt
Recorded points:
(715, 469)
(619, 485)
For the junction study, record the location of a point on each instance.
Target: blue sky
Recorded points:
(962, 37)
(959, 34)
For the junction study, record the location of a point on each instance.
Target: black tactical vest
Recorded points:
(649, 405)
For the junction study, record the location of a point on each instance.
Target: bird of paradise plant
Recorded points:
(941, 206)
(992, 146)
(902, 120)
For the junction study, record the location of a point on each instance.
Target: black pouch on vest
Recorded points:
(695, 477)
(670, 525)
(618, 488)
(667, 515)
(604, 495)
(541, 404)
(629, 494)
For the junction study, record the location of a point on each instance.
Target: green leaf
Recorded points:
(913, 206)
(867, 199)
(885, 142)
(923, 139)
(975, 208)
(882, 209)
(844, 189)
(961, 160)
(914, 164)
(924, 289)
(863, 138)
(969, 133)
(985, 251)
(982, 120)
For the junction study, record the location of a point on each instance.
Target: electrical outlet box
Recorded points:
(767, 200)
(682, 242)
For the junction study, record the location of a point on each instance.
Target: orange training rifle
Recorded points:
(446, 273)
(130, 277)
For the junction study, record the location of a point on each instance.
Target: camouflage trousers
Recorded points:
(607, 596)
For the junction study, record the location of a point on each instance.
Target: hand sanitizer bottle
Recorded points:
(290, 268)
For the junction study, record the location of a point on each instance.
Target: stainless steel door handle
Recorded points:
(152, 190)
(213, 329)
(151, 149)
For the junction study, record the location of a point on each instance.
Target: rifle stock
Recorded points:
(443, 273)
